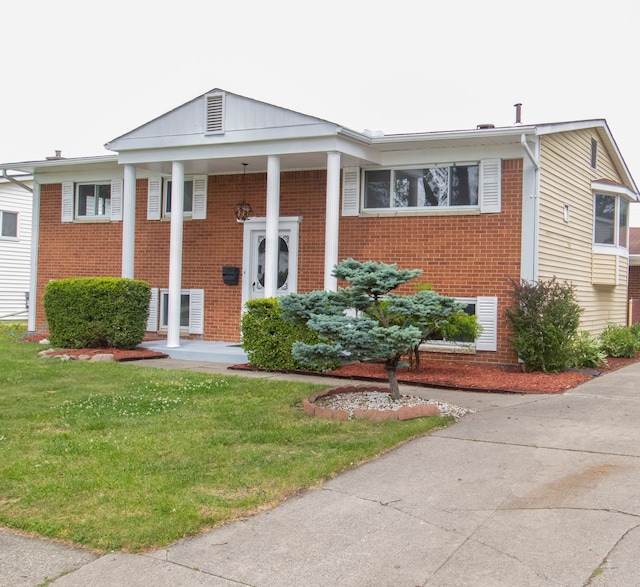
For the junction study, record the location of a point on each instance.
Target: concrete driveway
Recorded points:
(530, 490)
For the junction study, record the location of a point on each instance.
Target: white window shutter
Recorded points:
(154, 198)
(350, 191)
(199, 197)
(117, 186)
(490, 185)
(152, 318)
(487, 315)
(214, 113)
(196, 311)
(67, 201)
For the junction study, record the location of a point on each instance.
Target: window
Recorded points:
(485, 308)
(188, 197)
(450, 186)
(184, 309)
(191, 310)
(469, 310)
(97, 201)
(93, 199)
(611, 220)
(159, 197)
(9, 224)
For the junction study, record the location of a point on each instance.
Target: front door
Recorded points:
(253, 277)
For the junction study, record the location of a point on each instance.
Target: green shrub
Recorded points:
(588, 352)
(96, 312)
(545, 320)
(619, 341)
(267, 337)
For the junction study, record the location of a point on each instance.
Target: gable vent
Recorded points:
(214, 115)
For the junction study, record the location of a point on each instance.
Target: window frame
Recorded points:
(394, 170)
(454, 346)
(166, 196)
(106, 215)
(9, 236)
(164, 310)
(620, 232)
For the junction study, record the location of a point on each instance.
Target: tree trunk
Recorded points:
(394, 389)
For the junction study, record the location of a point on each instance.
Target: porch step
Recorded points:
(201, 350)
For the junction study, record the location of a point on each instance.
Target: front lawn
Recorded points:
(118, 456)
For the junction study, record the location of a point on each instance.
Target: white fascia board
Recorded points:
(229, 137)
(634, 260)
(252, 149)
(454, 154)
(612, 188)
(453, 135)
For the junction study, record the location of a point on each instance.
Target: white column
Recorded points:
(175, 254)
(273, 216)
(33, 275)
(332, 213)
(128, 220)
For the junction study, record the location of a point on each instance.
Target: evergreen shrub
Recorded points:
(268, 338)
(545, 320)
(97, 312)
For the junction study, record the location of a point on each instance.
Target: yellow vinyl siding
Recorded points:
(604, 270)
(565, 249)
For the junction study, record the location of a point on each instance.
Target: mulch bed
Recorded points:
(118, 354)
(433, 373)
(475, 377)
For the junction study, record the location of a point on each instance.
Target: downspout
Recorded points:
(14, 180)
(536, 204)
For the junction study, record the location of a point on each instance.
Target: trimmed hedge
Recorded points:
(97, 312)
(267, 337)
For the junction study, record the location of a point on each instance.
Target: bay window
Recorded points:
(611, 220)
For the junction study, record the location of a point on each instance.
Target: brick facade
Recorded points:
(461, 255)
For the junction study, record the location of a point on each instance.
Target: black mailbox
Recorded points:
(230, 275)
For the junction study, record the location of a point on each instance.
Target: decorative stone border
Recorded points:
(402, 413)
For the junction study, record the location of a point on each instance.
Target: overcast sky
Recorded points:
(77, 74)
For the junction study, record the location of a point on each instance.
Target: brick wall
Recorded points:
(460, 255)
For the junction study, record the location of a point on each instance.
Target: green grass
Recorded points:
(119, 456)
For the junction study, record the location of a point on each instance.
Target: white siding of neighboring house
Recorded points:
(15, 253)
(566, 248)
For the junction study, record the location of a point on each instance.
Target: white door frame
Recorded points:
(285, 223)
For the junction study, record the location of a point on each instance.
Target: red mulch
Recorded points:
(482, 377)
(118, 354)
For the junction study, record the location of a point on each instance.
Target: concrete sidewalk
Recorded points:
(530, 490)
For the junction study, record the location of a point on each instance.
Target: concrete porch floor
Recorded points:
(201, 350)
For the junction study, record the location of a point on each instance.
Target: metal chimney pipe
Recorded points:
(518, 107)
